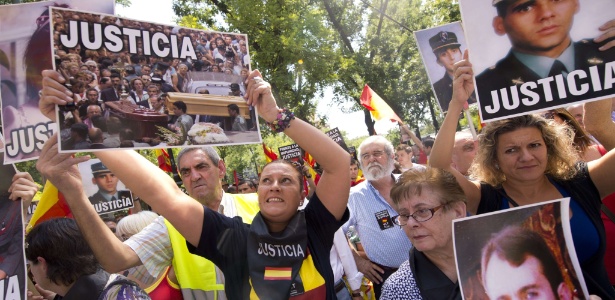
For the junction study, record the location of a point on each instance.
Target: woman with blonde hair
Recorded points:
(526, 160)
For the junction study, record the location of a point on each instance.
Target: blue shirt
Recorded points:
(384, 244)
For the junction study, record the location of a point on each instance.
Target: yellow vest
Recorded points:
(195, 274)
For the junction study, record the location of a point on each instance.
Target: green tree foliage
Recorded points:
(387, 57)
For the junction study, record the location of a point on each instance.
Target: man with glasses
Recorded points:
(371, 212)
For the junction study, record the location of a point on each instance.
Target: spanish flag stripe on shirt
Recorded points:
(313, 283)
(272, 273)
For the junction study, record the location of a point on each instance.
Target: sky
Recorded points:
(353, 124)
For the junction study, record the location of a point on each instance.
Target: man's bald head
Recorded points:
(96, 135)
(464, 151)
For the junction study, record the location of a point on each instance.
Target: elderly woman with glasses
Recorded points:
(427, 202)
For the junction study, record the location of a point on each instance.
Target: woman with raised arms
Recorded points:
(285, 252)
(526, 160)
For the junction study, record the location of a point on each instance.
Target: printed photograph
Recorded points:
(12, 262)
(530, 56)
(167, 86)
(105, 191)
(24, 54)
(441, 47)
(521, 251)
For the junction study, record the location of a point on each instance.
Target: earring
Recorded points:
(497, 166)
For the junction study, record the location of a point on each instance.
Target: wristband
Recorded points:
(283, 120)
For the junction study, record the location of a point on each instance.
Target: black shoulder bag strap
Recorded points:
(608, 213)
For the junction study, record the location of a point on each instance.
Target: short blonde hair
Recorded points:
(561, 155)
(132, 224)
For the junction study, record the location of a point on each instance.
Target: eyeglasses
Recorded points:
(375, 154)
(420, 215)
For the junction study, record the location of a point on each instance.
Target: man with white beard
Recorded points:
(371, 213)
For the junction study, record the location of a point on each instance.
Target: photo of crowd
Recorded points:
(133, 98)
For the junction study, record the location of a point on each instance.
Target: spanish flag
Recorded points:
(269, 154)
(164, 161)
(52, 205)
(311, 162)
(272, 273)
(379, 109)
(309, 159)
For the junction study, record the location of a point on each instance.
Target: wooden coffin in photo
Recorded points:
(141, 120)
(208, 104)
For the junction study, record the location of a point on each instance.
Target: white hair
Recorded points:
(376, 139)
(132, 224)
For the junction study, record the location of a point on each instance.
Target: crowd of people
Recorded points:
(296, 244)
(276, 239)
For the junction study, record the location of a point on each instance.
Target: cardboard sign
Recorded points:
(290, 152)
(105, 191)
(441, 47)
(556, 65)
(26, 45)
(336, 135)
(12, 260)
(203, 106)
(539, 234)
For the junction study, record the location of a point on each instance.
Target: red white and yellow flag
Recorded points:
(269, 154)
(51, 205)
(272, 273)
(164, 161)
(379, 109)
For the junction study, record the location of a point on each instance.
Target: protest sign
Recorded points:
(25, 44)
(12, 260)
(505, 253)
(352, 150)
(105, 191)
(336, 135)
(441, 47)
(198, 87)
(523, 64)
(291, 153)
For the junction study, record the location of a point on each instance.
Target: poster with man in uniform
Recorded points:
(441, 47)
(532, 55)
(106, 192)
